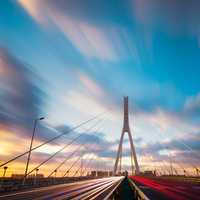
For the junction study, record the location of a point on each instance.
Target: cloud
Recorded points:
(82, 102)
(91, 39)
(89, 93)
(187, 146)
(93, 11)
(172, 16)
(21, 99)
(32, 8)
(192, 106)
(108, 41)
(88, 39)
(91, 85)
(161, 119)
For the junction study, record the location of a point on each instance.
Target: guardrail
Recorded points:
(138, 194)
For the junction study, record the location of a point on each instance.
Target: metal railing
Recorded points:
(138, 194)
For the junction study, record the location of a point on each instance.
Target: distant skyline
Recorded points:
(71, 60)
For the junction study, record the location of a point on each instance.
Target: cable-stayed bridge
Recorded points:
(81, 179)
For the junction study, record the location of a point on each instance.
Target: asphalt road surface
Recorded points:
(96, 189)
(164, 189)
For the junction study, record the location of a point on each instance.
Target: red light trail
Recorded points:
(173, 189)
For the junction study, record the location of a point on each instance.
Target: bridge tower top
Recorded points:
(126, 127)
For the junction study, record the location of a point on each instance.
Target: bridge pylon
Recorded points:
(126, 129)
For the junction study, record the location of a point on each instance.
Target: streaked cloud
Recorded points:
(93, 41)
(78, 99)
(90, 85)
(20, 97)
(192, 105)
(33, 8)
(177, 16)
(88, 39)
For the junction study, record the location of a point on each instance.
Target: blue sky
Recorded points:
(78, 59)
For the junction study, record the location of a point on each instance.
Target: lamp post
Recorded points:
(197, 171)
(5, 169)
(36, 173)
(55, 172)
(30, 148)
(4, 174)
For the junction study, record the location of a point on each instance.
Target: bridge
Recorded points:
(83, 180)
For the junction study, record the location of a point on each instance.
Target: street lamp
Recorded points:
(4, 174)
(36, 173)
(30, 148)
(197, 170)
(55, 172)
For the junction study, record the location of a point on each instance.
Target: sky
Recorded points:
(72, 60)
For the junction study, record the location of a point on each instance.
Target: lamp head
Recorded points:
(41, 118)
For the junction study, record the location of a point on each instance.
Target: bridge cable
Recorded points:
(90, 160)
(65, 160)
(64, 147)
(176, 160)
(52, 139)
(74, 163)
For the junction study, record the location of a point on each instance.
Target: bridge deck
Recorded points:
(84, 190)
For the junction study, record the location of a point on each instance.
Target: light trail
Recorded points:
(84, 190)
(171, 189)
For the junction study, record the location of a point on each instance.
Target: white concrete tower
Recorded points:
(126, 129)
